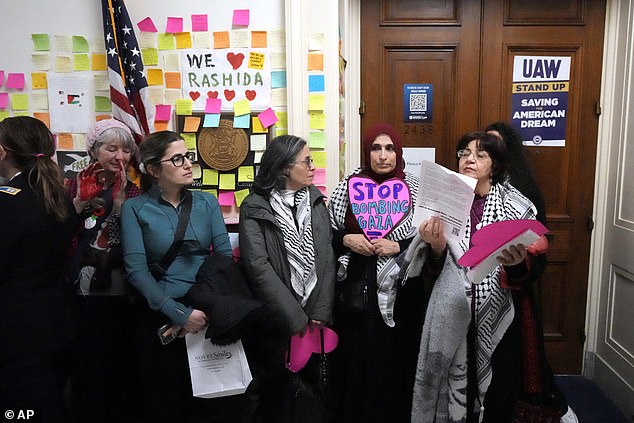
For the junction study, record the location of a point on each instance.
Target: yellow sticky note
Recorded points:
(172, 79)
(213, 192)
(316, 101)
(155, 76)
(258, 39)
(81, 62)
(191, 124)
(210, 177)
(149, 56)
(39, 81)
(4, 115)
(240, 195)
(256, 60)
(166, 41)
(281, 131)
(241, 107)
(257, 126)
(319, 157)
(246, 174)
(282, 119)
(63, 64)
(315, 61)
(227, 181)
(183, 40)
(317, 120)
(221, 39)
(184, 106)
(65, 141)
(20, 101)
(190, 141)
(99, 62)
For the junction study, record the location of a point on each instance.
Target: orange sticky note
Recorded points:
(315, 61)
(39, 81)
(99, 62)
(161, 126)
(64, 141)
(221, 39)
(258, 39)
(191, 124)
(102, 117)
(44, 117)
(172, 80)
(155, 77)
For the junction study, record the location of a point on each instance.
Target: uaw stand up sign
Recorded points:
(378, 208)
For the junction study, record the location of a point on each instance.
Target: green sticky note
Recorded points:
(149, 56)
(81, 62)
(20, 101)
(319, 158)
(245, 174)
(102, 104)
(317, 139)
(80, 44)
(213, 192)
(41, 42)
(227, 181)
(184, 106)
(3, 115)
(190, 141)
(22, 114)
(166, 41)
(240, 195)
(210, 177)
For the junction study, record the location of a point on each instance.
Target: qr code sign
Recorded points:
(418, 102)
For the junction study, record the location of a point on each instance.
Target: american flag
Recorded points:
(128, 83)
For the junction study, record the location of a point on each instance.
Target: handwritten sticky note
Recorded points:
(4, 115)
(15, 81)
(225, 198)
(38, 81)
(319, 157)
(166, 41)
(239, 38)
(80, 44)
(240, 195)
(221, 39)
(243, 121)
(315, 61)
(172, 79)
(258, 142)
(317, 139)
(258, 39)
(267, 117)
(227, 181)
(163, 112)
(282, 119)
(212, 120)
(277, 38)
(150, 56)
(278, 97)
(4, 100)
(183, 40)
(319, 176)
(20, 101)
(191, 124)
(190, 141)
(41, 61)
(44, 117)
(102, 104)
(102, 82)
(172, 62)
(258, 128)
(39, 100)
(81, 62)
(316, 101)
(278, 60)
(241, 17)
(63, 43)
(99, 62)
(41, 42)
(317, 120)
(316, 41)
(147, 39)
(315, 83)
(210, 177)
(201, 39)
(147, 25)
(213, 105)
(161, 126)
(184, 106)
(174, 24)
(155, 76)
(246, 174)
(241, 107)
(199, 23)
(65, 141)
(278, 79)
(256, 60)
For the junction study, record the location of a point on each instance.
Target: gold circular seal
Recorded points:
(224, 147)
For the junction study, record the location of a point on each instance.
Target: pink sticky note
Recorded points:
(267, 117)
(303, 347)
(4, 100)
(174, 25)
(241, 17)
(213, 105)
(1, 77)
(199, 23)
(147, 25)
(15, 81)
(323, 190)
(163, 112)
(225, 198)
(319, 176)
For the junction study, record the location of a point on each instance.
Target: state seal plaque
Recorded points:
(224, 147)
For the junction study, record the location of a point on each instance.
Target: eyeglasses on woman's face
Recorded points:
(309, 162)
(478, 155)
(178, 160)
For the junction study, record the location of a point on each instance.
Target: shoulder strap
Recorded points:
(159, 269)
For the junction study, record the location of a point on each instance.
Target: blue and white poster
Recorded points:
(417, 103)
(540, 99)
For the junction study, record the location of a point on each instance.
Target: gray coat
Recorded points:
(264, 259)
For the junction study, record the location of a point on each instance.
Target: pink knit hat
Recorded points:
(99, 127)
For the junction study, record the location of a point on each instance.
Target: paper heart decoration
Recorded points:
(235, 60)
(194, 95)
(250, 94)
(212, 94)
(229, 94)
(302, 348)
(378, 208)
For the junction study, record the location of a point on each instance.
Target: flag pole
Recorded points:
(114, 34)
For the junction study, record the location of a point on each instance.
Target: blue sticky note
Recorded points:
(278, 79)
(315, 83)
(212, 120)
(243, 121)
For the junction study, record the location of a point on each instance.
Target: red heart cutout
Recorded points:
(194, 95)
(229, 94)
(250, 94)
(235, 59)
(212, 94)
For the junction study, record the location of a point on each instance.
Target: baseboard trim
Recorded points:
(618, 390)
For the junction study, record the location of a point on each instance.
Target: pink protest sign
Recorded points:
(378, 208)
(303, 347)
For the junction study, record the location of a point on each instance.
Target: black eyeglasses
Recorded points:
(308, 162)
(179, 159)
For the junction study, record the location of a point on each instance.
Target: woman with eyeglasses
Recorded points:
(286, 251)
(149, 223)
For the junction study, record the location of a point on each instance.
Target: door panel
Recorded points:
(465, 49)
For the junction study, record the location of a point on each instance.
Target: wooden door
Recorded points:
(465, 50)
